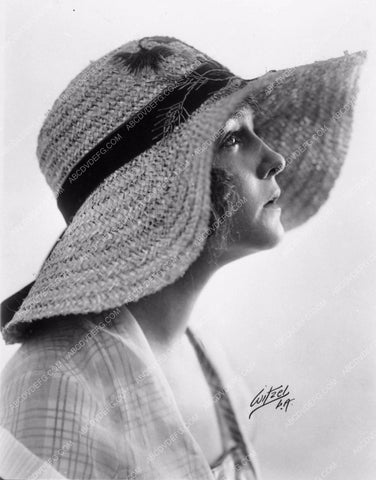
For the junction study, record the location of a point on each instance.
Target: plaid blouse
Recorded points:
(85, 398)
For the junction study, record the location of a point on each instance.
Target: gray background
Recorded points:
(301, 314)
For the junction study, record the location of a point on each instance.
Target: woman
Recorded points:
(164, 166)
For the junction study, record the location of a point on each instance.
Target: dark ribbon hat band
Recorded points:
(137, 134)
(141, 131)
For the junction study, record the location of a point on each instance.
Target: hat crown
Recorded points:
(104, 95)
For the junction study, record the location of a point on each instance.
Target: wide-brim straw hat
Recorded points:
(127, 149)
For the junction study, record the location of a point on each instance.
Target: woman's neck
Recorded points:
(164, 315)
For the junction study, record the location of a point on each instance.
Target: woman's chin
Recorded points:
(268, 237)
(247, 239)
(275, 237)
(271, 229)
(263, 239)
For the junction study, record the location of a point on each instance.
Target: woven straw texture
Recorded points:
(137, 232)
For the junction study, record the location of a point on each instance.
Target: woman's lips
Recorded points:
(272, 203)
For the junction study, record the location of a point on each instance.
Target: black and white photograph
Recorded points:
(188, 241)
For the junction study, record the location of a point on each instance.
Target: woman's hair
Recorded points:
(224, 195)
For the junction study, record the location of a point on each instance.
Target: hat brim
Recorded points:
(305, 113)
(139, 230)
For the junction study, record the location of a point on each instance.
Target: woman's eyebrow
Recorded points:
(242, 115)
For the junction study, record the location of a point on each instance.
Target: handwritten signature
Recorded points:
(267, 396)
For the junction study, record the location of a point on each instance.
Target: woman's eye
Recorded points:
(231, 140)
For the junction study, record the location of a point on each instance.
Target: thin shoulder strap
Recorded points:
(218, 390)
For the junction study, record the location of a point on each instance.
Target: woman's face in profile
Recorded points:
(253, 166)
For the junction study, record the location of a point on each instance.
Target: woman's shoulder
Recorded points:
(51, 391)
(53, 346)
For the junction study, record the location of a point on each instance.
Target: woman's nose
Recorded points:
(271, 163)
